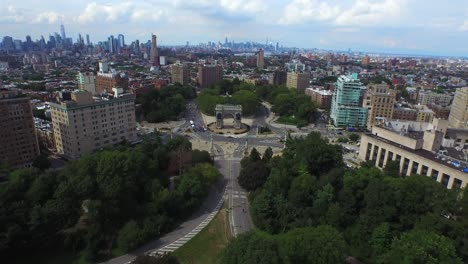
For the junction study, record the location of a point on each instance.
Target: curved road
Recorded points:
(229, 166)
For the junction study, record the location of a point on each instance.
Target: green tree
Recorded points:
(248, 99)
(322, 244)
(251, 248)
(253, 176)
(129, 236)
(421, 247)
(392, 169)
(354, 137)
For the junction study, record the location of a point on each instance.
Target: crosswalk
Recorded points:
(239, 194)
(181, 241)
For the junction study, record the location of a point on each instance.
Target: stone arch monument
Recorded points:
(225, 110)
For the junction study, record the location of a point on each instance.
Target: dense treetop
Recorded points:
(380, 216)
(106, 203)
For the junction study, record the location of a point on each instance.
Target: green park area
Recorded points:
(206, 247)
(286, 103)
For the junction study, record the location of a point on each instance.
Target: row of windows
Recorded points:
(372, 153)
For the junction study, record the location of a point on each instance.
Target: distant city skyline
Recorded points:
(392, 26)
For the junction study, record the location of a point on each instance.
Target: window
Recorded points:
(445, 179)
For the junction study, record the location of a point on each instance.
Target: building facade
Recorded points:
(154, 56)
(209, 75)
(180, 74)
(322, 98)
(459, 112)
(278, 77)
(417, 153)
(260, 59)
(346, 110)
(425, 98)
(83, 125)
(297, 80)
(87, 81)
(379, 101)
(18, 142)
(404, 113)
(106, 81)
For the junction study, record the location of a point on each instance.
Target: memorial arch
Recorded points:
(228, 110)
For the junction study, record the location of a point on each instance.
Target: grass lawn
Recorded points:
(206, 247)
(287, 120)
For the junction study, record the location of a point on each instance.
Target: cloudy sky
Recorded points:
(404, 26)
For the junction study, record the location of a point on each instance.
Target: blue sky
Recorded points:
(402, 26)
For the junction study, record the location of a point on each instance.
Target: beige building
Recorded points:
(83, 124)
(459, 113)
(180, 74)
(418, 152)
(379, 101)
(424, 114)
(298, 81)
(425, 98)
(322, 98)
(18, 142)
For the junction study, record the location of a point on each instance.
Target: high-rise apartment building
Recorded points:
(346, 110)
(154, 56)
(365, 60)
(180, 73)
(18, 142)
(379, 101)
(278, 77)
(298, 80)
(459, 113)
(87, 81)
(260, 59)
(83, 125)
(209, 75)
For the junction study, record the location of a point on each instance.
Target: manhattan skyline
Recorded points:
(390, 26)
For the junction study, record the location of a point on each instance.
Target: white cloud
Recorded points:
(370, 12)
(49, 17)
(464, 26)
(238, 6)
(120, 12)
(361, 12)
(299, 11)
(11, 14)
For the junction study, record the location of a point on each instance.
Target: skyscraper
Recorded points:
(110, 44)
(154, 57)
(87, 40)
(459, 113)
(260, 59)
(62, 32)
(346, 110)
(120, 42)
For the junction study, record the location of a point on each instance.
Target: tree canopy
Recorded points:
(110, 201)
(379, 216)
